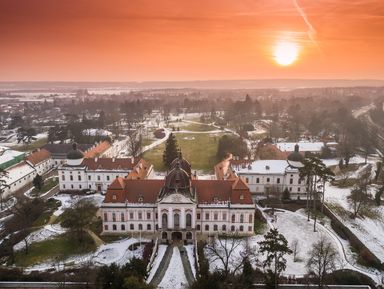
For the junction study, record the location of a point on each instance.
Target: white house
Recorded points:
(79, 173)
(41, 161)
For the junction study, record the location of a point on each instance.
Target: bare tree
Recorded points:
(295, 250)
(322, 260)
(25, 213)
(358, 200)
(134, 142)
(223, 250)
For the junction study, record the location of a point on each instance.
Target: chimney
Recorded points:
(96, 158)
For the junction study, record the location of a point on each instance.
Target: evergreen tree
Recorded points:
(171, 151)
(38, 182)
(275, 246)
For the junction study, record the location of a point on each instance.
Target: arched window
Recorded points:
(189, 236)
(241, 228)
(207, 227)
(164, 220)
(114, 227)
(215, 227)
(140, 227)
(189, 220)
(148, 227)
(232, 228)
(241, 218)
(164, 235)
(250, 218)
(123, 227)
(224, 228)
(233, 218)
(176, 220)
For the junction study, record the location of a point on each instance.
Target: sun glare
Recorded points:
(285, 53)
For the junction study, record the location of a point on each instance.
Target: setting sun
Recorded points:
(285, 53)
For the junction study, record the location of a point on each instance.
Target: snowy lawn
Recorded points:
(160, 254)
(116, 252)
(191, 257)
(174, 277)
(45, 233)
(370, 230)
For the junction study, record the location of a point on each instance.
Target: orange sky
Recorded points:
(126, 40)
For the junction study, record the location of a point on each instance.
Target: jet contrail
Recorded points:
(311, 31)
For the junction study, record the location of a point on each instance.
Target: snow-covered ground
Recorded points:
(45, 233)
(191, 257)
(294, 226)
(116, 252)
(369, 231)
(174, 277)
(160, 254)
(68, 201)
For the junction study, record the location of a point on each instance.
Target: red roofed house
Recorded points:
(178, 207)
(80, 173)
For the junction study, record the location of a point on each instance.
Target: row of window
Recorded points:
(140, 216)
(71, 178)
(224, 217)
(131, 227)
(148, 215)
(223, 228)
(198, 228)
(268, 180)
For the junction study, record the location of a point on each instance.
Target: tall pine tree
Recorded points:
(171, 151)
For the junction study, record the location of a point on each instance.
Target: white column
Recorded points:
(193, 217)
(182, 218)
(170, 218)
(160, 218)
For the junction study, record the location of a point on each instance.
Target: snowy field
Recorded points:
(116, 252)
(174, 277)
(191, 257)
(68, 201)
(294, 226)
(160, 254)
(45, 233)
(369, 231)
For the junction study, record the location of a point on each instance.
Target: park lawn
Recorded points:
(32, 146)
(53, 250)
(48, 185)
(198, 127)
(199, 149)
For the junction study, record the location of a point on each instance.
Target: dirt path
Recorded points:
(96, 239)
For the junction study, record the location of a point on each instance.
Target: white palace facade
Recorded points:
(180, 206)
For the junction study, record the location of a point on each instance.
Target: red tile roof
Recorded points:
(38, 156)
(133, 191)
(211, 191)
(208, 191)
(140, 171)
(98, 150)
(109, 163)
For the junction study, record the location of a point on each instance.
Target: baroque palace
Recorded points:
(178, 207)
